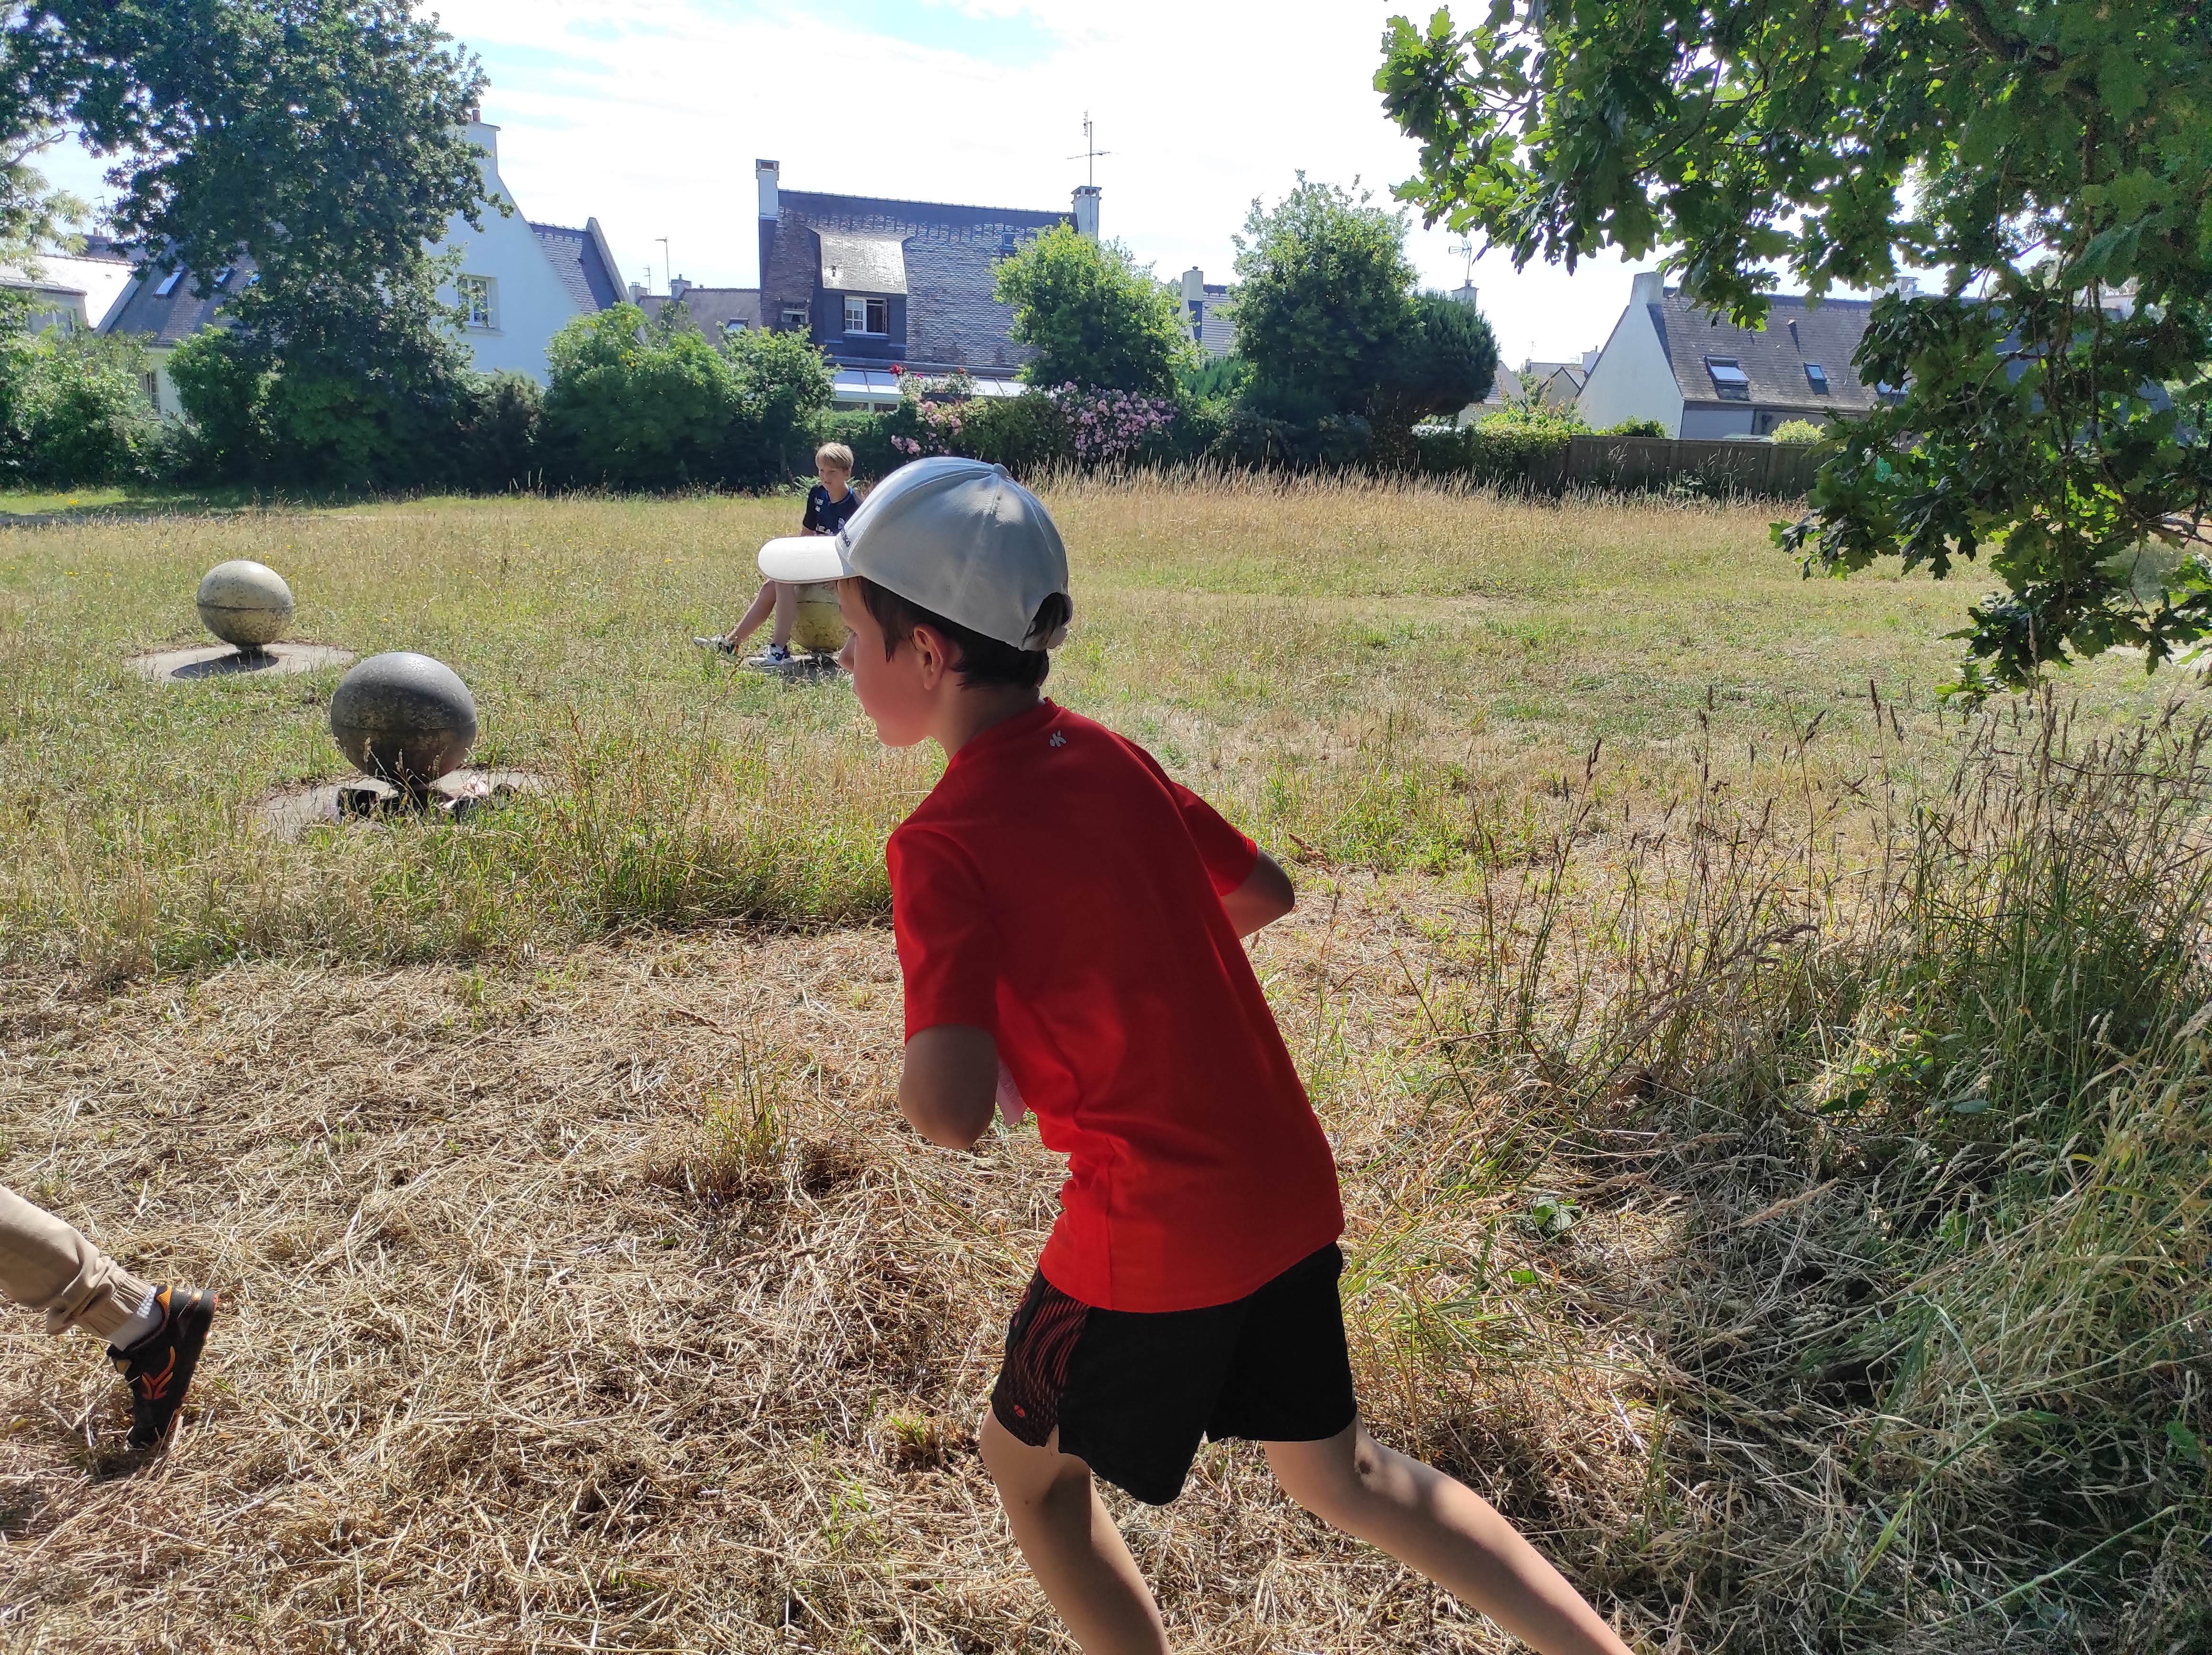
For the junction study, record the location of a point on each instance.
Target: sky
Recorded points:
(649, 116)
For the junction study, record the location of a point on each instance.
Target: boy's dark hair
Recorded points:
(983, 660)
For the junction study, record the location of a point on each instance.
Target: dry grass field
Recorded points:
(1770, 1106)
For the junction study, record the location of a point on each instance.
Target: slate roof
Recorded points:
(160, 318)
(576, 261)
(1772, 358)
(952, 255)
(712, 309)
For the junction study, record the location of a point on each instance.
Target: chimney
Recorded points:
(1589, 359)
(1193, 284)
(1648, 288)
(637, 293)
(679, 286)
(485, 137)
(1464, 295)
(1087, 211)
(765, 173)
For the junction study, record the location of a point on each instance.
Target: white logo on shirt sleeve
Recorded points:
(1059, 738)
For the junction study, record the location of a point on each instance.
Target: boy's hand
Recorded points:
(1265, 896)
(949, 1085)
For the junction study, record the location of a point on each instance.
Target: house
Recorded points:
(718, 312)
(519, 284)
(1212, 328)
(1540, 384)
(888, 288)
(1703, 376)
(73, 291)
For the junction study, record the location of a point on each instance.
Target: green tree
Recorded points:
(73, 409)
(1447, 358)
(1095, 318)
(2052, 159)
(640, 404)
(323, 139)
(1324, 300)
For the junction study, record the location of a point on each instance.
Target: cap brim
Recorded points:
(805, 557)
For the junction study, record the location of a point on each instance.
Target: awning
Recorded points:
(862, 263)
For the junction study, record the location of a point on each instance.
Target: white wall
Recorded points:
(1633, 379)
(531, 304)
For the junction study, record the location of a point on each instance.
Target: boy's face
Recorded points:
(834, 476)
(900, 693)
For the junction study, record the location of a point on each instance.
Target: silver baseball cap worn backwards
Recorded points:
(961, 538)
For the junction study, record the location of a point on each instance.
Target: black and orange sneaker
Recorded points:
(159, 1366)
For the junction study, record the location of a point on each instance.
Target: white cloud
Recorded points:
(649, 117)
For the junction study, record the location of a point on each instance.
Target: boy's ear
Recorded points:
(933, 653)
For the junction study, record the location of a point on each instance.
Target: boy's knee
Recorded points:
(1329, 1479)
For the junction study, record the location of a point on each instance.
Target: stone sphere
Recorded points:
(245, 603)
(817, 623)
(403, 718)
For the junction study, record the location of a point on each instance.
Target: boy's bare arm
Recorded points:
(949, 1085)
(1265, 896)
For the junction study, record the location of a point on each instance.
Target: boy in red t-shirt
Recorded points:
(1068, 922)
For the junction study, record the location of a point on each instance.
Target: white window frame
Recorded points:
(794, 318)
(861, 305)
(479, 298)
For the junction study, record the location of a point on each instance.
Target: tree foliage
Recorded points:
(324, 139)
(640, 404)
(1096, 318)
(1329, 318)
(72, 409)
(2050, 158)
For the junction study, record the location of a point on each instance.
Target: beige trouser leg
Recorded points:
(45, 1265)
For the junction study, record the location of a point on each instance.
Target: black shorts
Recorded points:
(1134, 1393)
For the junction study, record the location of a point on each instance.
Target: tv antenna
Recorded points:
(1464, 250)
(666, 264)
(1091, 152)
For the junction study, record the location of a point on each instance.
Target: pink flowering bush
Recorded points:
(1108, 427)
(1066, 425)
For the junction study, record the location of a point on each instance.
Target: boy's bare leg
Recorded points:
(787, 612)
(1073, 1547)
(763, 602)
(1444, 1529)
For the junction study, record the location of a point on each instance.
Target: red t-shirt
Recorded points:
(1057, 890)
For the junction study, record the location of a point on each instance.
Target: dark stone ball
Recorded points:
(403, 718)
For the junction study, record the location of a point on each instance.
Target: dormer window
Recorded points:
(1730, 382)
(1006, 244)
(169, 283)
(221, 278)
(794, 318)
(737, 326)
(867, 315)
(1817, 377)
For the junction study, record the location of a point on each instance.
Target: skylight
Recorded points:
(169, 283)
(1817, 377)
(1729, 379)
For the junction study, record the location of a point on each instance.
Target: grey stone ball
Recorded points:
(403, 718)
(245, 603)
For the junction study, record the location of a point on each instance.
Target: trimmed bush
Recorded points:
(1801, 431)
(73, 408)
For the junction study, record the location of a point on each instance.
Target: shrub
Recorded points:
(1095, 317)
(638, 404)
(1068, 425)
(1635, 428)
(74, 408)
(1801, 431)
(1524, 444)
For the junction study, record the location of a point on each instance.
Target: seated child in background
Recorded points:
(829, 503)
(1069, 923)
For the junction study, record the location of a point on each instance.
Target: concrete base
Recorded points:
(364, 798)
(183, 666)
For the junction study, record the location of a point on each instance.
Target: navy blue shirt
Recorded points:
(827, 516)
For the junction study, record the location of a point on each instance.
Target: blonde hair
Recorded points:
(836, 454)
